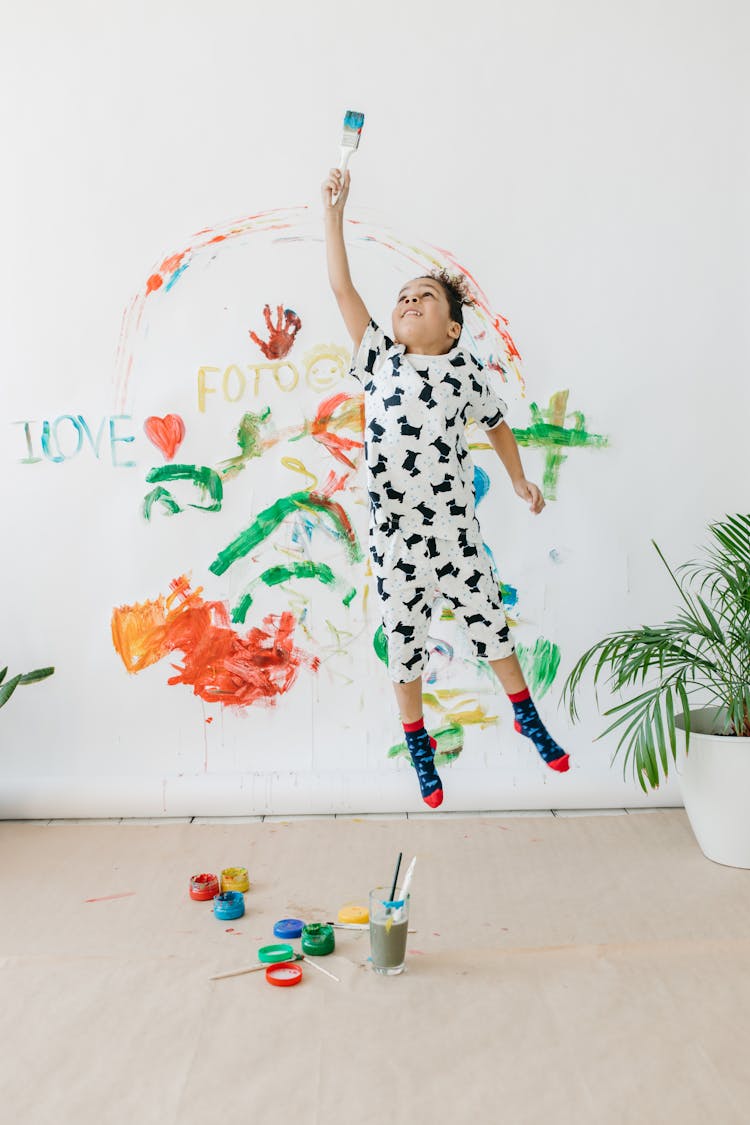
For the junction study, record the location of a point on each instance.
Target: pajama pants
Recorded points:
(412, 570)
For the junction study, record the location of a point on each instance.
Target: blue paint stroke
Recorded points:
(177, 273)
(481, 484)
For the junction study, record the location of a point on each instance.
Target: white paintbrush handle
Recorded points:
(239, 972)
(343, 165)
(398, 912)
(309, 961)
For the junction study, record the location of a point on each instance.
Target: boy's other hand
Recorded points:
(338, 185)
(531, 493)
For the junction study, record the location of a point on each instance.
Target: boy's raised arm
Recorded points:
(353, 309)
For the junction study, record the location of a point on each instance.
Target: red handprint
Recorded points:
(280, 337)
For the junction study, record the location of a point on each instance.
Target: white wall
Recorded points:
(586, 162)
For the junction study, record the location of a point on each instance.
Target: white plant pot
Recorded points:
(715, 782)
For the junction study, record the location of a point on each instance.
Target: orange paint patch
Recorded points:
(139, 634)
(154, 282)
(169, 265)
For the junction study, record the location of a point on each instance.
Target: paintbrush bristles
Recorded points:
(353, 123)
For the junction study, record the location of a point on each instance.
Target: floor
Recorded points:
(590, 968)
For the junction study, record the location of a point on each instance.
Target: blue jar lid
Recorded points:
(288, 928)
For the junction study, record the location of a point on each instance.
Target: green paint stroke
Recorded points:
(450, 743)
(270, 518)
(380, 644)
(547, 431)
(161, 496)
(203, 477)
(249, 441)
(275, 575)
(539, 664)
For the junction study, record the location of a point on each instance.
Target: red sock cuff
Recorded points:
(409, 727)
(519, 696)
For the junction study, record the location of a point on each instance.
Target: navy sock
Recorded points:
(422, 750)
(529, 724)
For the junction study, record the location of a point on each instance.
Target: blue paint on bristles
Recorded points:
(354, 120)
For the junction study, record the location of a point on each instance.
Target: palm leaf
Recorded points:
(34, 677)
(7, 689)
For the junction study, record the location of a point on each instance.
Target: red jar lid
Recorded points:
(284, 974)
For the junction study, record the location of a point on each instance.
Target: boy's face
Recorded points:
(421, 319)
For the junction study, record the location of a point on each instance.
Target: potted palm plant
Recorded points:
(700, 656)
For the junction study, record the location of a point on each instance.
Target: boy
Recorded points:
(420, 391)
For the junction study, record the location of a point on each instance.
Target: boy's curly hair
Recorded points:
(456, 290)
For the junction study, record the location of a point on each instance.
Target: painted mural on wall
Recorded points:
(260, 448)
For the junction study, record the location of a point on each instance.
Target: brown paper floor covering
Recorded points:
(590, 969)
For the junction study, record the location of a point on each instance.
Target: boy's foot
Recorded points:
(531, 726)
(421, 747)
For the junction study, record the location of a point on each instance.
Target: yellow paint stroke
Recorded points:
(476, 717)
(325, 365)
(276, 367)
(341, 637)
(290, 552)
(296, 466)
(468, 716)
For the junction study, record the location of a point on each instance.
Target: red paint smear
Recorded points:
(281, 334)
(165, 433)
(220, 664)
(326, 420)
(154, 282)
(210, 719)
(108, 898)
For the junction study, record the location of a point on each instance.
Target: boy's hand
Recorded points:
(336, 184)
(531, 493)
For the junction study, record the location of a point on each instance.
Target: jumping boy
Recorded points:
(420, 391)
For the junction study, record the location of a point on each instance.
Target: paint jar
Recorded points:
(229, 905)
(389, 922)
(203, 887)
(352, 914)
(235, 879)
(318, 939)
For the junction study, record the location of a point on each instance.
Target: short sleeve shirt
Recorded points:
(420, 475)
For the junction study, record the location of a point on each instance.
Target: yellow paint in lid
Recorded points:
(353, 914)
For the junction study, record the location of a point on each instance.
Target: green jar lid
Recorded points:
(270, 954)
(318, 939)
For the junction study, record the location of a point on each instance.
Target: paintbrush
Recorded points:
(252, 968)
(314, 965)
(352, 131)
(404, 890)
(360, 926)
